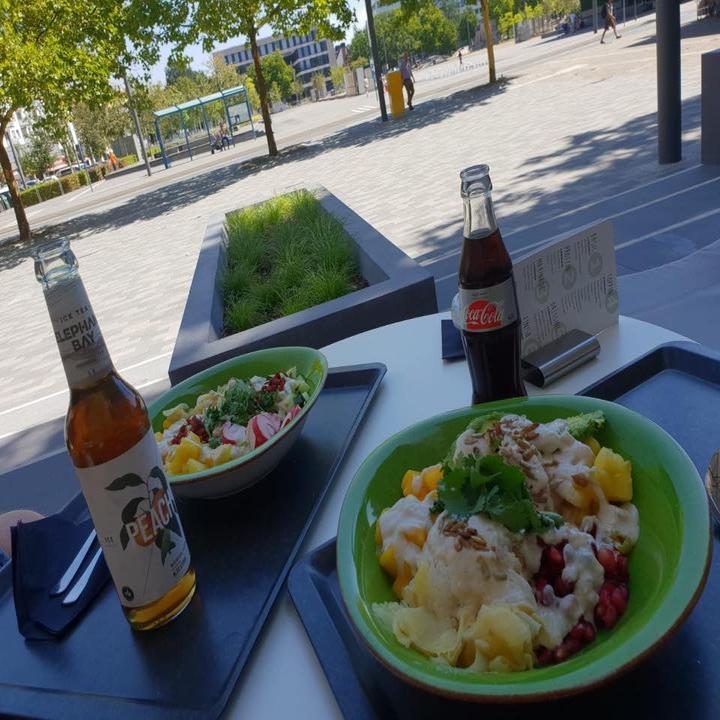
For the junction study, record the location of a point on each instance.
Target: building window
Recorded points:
(227, 60)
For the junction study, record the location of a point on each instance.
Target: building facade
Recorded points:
(306, 54)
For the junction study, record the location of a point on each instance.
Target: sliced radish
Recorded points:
(292, 414)
(232, 433)
(264, 426)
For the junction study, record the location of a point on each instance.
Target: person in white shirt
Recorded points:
(408, 79)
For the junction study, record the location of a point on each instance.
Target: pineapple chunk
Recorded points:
(158, 436)
(192, 466)
(183, 452)
(614, 475)
(174, 414)
(431, 477)
(222, 454)
(402, 580)
(407, 482)
(388, 562)
(593, 444)
(417, 536)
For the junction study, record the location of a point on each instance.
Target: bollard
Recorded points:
(395, 91)
(710, 114)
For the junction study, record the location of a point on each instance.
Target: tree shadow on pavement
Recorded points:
(190, 190)
(596, 165)
(698, 28)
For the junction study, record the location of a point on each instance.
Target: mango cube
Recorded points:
(407, 482)
(417, 536)
(402, 580)
(192, 466)
(594, 445)
(614, 475)
(431, 477)
(388, 562)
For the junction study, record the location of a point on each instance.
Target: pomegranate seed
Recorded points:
(544, 656)
(589, 633)
(606, 557)
(621, 568)
(569, 646)
(610, 617)
(578, 632)
(619, 598)
(563, 587)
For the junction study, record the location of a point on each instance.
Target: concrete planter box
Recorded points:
(398, 289)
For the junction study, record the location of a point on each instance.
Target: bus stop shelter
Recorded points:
(236, 111)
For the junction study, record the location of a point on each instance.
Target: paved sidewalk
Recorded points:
(566, 130)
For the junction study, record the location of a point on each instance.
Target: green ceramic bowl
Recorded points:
(247, 470)
(668, 566)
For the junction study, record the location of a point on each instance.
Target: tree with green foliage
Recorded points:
(276, 73)
(98, 125)
(466, 27)
(337, 75)
(298, 89)
(359, 63)
(319, 83)
(180, 66)
(39, 154)
(218, 21)
(436, 35)
(62, 52)
(222, 76)
(359, 45)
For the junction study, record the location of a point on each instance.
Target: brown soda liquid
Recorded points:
(104, 421)
(493, 356)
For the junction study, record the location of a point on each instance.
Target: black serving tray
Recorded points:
(677, 386)
(242, 548)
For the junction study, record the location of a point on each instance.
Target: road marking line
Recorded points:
(74, 196)
(572, 68)
(60, 392)
(674, 226)
(580, 208)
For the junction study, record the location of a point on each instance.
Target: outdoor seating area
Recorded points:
(364, 409)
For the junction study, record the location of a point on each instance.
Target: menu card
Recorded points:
(570, 284)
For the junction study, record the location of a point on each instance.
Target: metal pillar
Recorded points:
(227, 116)
(594, 14)
(249, 109)
(376, 59)
(166, 162)
(185, 132)
(668, 81)
(207, 126)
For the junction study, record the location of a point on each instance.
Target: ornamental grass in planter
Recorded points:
(283, 256)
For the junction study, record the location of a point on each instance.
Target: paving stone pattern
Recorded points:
(559, 133)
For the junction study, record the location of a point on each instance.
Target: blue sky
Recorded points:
(200, 58)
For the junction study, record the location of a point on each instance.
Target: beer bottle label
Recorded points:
(486, 309)
(137, 523)
(82, 347)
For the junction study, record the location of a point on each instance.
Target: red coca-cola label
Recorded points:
(486, 309)
(483, 315)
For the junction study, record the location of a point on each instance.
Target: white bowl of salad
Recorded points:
(225, 428)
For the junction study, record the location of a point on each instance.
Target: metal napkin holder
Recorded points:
(559, 357)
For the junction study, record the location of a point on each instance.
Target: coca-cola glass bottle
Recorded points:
(486, 310)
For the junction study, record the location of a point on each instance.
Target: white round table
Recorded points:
(283, 678)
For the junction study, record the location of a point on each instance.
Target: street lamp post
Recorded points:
(376, 59)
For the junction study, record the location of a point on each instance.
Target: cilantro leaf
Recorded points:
(490, 486)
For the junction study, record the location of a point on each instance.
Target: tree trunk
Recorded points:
(20, 216)
(262, 92)
(489, 40)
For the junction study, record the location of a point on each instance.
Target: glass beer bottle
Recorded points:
(111, 444)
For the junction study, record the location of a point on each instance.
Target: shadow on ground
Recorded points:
(699, 28)
(186, 192)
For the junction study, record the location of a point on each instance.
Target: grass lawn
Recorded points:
(284, 255)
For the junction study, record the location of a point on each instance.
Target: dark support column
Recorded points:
(710, 101)
(668, 81)
(376, 59)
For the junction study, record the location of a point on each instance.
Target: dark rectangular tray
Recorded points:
(676, 385)
(242, 548)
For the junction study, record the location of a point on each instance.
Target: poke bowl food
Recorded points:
(224, 429)
(521, 549)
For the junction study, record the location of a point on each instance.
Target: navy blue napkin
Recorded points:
(452, 347)
(41, 552)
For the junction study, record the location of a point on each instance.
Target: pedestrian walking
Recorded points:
(608, 13)
(406, 74)
(460, 57)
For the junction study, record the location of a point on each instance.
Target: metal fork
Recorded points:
(72, 570)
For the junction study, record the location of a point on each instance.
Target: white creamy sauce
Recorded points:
(471, 443)
(406, 514)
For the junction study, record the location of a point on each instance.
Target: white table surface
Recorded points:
(283, 678)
